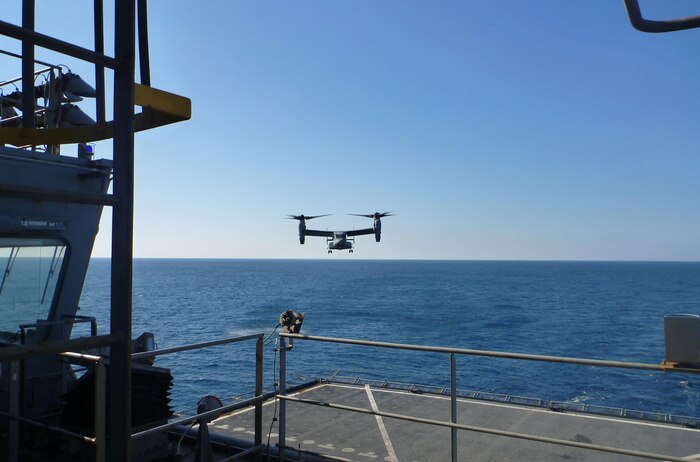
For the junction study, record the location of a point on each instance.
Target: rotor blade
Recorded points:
(373, 215)
(304, 217)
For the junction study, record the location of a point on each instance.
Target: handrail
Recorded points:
(203, 415)
(453, 425)
(78, 318)
(99, 440)
(194, 346)
(256, 401)
(66, 319)
(15, 55)
(498, 354)
(19, 79)
(52, 428)
(53, 347)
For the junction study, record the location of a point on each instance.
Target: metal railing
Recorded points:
(509, 398)
(99, 438)
(452, 424)
(256, 401)
(65, 320)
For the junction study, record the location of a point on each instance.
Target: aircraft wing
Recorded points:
(359, 232)
(313, 232)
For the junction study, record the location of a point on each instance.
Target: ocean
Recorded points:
(598, 310)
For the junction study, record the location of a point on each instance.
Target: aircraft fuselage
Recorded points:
(339, 241)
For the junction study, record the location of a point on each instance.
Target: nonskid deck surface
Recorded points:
(362, 437)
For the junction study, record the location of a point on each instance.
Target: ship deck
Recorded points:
(355, 436)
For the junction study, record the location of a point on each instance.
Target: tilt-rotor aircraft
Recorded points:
(340, 240)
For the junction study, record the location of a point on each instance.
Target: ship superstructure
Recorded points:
(71, 392)
(51, 205)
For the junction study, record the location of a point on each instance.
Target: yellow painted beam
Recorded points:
(162, 101)
(159, 108)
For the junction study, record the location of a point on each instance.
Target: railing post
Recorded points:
(13, 437)
(258, 393)
(100, 411)
(283, 403)
(453, 402)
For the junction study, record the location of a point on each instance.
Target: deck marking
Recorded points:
(382, 429)
(569, 414)
(269, 402)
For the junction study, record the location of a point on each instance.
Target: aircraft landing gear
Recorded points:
(330, 251)
(350, 251)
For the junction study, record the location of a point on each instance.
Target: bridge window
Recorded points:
(29, 272)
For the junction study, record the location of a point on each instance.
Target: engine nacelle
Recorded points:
(302, 231)
(377, 229)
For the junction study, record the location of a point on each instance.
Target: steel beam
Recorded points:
(50, 43)
(98, 13)
(28, 99)
(119, 378)
(144, 59)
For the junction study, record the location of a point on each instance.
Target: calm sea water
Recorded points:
(601, 310)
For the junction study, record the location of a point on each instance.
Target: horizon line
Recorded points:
(504, 260)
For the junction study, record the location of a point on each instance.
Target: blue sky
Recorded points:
(493, 129)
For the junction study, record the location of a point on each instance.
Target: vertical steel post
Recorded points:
(453, 402)
(100, 110)
(28, 100)
(144, 60)
(258, 393)
(119, 378)
(13, 437)
(283, 403)
(100, 411)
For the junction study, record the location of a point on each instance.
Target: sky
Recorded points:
(493, 129)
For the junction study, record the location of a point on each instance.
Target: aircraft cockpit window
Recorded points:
(29, 273)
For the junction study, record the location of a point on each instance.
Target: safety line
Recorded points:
(382, 429)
